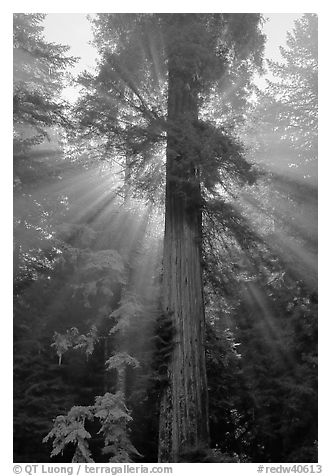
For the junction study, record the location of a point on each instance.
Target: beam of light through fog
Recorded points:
(95, 199)
(74, 30)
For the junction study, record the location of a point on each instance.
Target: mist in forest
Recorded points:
(165, 238)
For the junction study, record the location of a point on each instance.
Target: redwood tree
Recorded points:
(194, 63)
(184, 412)
(177, 81)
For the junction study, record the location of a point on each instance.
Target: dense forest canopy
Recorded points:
(165, 243)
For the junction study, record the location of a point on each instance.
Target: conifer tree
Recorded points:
(40, 71)
(285, 120)
(160, 77)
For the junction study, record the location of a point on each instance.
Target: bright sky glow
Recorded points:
(276, 28)
(74, 29)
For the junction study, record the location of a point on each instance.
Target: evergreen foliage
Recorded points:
(39, 74)
(285, 130)
(125, 105)
(113, 417)
(87, 256)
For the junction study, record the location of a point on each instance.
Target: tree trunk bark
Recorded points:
(184, 403)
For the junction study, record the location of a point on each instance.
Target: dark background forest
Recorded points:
(92, 343)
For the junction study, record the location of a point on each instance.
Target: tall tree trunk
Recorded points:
(184, 403)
